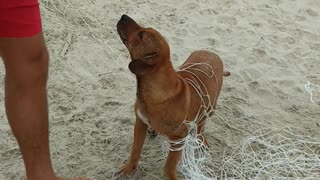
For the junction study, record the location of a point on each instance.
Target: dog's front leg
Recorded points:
(140, 131)
(177, 143)
(170, 168)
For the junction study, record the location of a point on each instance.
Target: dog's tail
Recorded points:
(226, 73)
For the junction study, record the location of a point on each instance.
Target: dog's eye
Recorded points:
(140, 34)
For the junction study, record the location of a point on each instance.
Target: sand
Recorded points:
(270, 47)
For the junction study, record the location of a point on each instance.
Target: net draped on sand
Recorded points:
(273, 154)
(311, 89)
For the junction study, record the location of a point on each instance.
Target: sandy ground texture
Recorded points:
(272, 49)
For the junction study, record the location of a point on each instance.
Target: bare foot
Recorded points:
(75, 179)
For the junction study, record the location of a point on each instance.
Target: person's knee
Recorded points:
(32, 73)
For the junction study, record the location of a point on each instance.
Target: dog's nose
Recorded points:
(125, 18)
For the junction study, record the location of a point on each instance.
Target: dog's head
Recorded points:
(147, 48)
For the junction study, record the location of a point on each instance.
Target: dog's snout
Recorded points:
(122, 23)
(126, 26)
(125, 20)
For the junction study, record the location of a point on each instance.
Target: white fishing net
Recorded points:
(313, 90)
(273, 154)
(196, 161)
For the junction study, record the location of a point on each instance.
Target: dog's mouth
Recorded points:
(147, 56)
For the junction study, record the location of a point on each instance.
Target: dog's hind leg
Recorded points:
(172, 161)
(200, 132)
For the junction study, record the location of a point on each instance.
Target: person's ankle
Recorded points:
(41, 174)
(42, 177)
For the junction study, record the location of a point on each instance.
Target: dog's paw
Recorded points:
(128, 169)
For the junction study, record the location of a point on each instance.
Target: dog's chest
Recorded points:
(162, 124)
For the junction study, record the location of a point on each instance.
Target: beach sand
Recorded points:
(271, 48)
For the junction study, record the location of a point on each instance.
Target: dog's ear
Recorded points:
(139, 67)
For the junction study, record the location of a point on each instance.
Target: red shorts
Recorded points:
(19, 18)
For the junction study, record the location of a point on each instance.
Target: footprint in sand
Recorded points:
(191, 6)
(208, 12)
(229, 20)
(265, 96)
(107, 83)
(311, 12)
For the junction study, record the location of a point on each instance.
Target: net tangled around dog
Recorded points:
(196, 161)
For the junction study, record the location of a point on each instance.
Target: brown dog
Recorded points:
(166, 99)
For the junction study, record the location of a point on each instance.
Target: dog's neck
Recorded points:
(160, 85)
